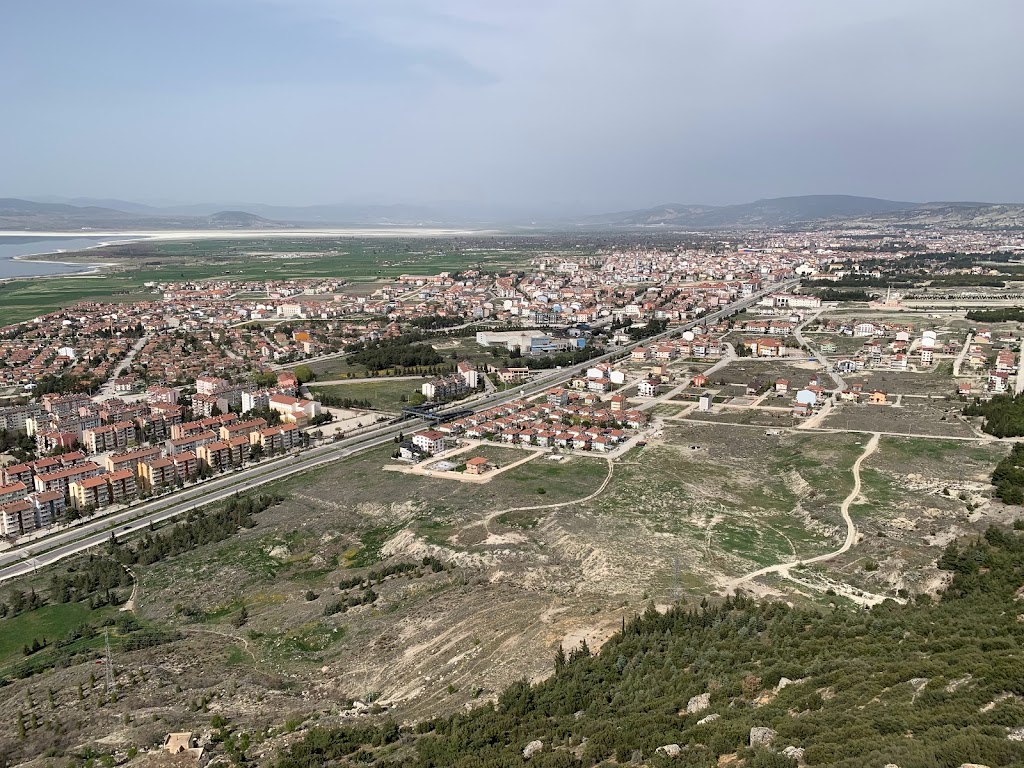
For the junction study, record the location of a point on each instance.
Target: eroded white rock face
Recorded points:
(698, 703)
(762, 737)
(533, 748)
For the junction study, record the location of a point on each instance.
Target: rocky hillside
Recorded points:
(927, 684)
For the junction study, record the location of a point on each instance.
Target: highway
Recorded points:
(51, 549)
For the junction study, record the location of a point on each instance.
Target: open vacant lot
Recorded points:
(914, 416)
(382, 394)
(746, 370)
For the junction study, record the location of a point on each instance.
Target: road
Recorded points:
(54, 548)
(25, 559)
(959, 362)
(802, 341)
(107, 390)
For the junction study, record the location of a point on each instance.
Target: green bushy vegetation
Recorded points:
(58, 628)
(1002, 315)
(925, 685)
(390, 353)
(1008, 477)
(1003, 414)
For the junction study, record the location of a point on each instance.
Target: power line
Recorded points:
(109, 663)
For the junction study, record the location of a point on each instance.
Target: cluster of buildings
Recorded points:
(467, 378)
(561, 419)
(994, 359)
(37, 493)
(699, 346)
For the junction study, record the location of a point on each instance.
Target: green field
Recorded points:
(349, 258)
(383, 394)
(51, 622)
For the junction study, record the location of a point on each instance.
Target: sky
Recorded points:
(576, 105)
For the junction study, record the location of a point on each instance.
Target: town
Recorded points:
(130, 401)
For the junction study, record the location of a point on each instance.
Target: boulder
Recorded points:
(698, 703)
(671, 750)
(794, 753)
(1016, 734)
(972, 765)
(709, 719)
(762, 737)
(532, 748)
(783, 682)
(891, 765)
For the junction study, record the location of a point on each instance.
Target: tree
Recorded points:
(304, 374)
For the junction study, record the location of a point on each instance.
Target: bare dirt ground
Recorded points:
(912, 416)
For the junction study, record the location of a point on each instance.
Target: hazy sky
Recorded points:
(595, 104)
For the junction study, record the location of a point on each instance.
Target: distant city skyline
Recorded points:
(577, 105)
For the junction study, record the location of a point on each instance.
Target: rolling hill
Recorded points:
(815, 211)
(18, 214)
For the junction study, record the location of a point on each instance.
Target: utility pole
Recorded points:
(109, 662)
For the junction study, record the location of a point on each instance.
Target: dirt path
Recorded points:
(492, 515)
(130, 603)
(851, 529)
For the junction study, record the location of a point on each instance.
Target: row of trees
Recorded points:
(1002, 315)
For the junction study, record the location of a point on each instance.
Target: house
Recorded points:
(16, 517)
(121, 486)
(557, 396)
(649, 388)
(699, 381)
(277, 439)
(998, 381)
(183, 744)
(1006, 360)
(48, 506)
(766, 348)
(478, 465)
(429, 441)
(878, 397)
(781, 386)
(157, 473)
(513, 375)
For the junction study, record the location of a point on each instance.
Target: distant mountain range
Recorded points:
(815, 211)
(17, 214)
(803, 212)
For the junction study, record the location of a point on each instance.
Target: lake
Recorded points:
(16, 245)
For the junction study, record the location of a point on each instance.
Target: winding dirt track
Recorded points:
(851, 529)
